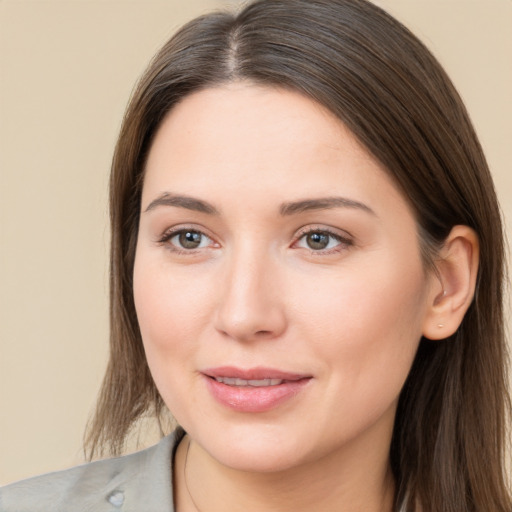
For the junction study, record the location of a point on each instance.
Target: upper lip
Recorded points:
(257, 373)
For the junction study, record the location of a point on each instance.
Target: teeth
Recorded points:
(264, 382)
(231, 381)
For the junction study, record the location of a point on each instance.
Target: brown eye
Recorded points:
(317, 240)
(188, 239)
(323, 240)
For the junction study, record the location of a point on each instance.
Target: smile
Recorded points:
(231, 381)
(255, 390)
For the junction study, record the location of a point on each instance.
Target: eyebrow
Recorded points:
(289, 208)
(323, 203)
(190, 203)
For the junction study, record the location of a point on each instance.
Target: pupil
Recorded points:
(190, 239)
(317, 240)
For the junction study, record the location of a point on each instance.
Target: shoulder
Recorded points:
(139, 481)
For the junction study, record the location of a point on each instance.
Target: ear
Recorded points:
(453, 285)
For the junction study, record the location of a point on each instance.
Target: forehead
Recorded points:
(248, 139)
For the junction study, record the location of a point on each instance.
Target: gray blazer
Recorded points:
(140, 482)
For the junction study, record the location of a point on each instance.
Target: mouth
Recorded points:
(253, 390)
(232, 381)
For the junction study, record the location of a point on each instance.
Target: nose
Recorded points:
(251, 303)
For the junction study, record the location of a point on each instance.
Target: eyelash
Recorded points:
(168, 235)
(344, 242)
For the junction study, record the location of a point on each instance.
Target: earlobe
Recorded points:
(454, 283)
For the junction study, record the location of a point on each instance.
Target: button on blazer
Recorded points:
(139, 482)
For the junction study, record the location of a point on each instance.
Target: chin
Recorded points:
(257, 459)
(254, 448)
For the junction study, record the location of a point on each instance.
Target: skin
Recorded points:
(254, 293)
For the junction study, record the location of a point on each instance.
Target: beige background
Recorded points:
(67, 69)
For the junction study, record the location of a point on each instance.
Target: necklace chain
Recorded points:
(402, 508)
(185, 476)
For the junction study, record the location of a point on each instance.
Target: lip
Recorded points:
(254, 399)
(257, 373)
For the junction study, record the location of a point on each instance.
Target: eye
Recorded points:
(189, 239)
(322, 240)
(186, 239)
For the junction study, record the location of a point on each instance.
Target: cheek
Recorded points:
(171, 310)
(365, 324)
(385, 298)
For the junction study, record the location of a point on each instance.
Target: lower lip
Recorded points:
(255, 399)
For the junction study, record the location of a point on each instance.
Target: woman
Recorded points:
(307, 266)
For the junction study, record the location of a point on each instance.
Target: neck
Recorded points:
(351, 481)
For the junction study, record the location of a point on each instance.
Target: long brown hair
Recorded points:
(448, 443)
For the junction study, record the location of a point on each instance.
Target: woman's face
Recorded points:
(278, 280)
